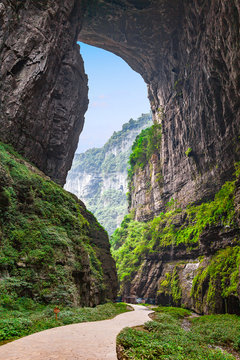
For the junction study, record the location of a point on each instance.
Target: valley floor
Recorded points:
(176, 334)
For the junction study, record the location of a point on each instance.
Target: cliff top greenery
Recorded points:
(146, 144)
(92, 159)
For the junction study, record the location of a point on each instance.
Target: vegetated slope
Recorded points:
(52, 249)
(184, 256)
(99, 176)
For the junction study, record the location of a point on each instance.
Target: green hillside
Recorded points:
(51, 247)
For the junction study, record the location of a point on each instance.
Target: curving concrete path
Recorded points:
(84, 341)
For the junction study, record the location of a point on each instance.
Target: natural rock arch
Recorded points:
(186, 51)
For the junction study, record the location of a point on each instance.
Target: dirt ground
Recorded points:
(84, 341)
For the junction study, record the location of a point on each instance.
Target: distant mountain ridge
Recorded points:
(99, 176)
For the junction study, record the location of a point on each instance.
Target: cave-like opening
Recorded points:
(116, 93)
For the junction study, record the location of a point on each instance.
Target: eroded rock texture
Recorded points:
(43, 95)
(184, 276)
(188, 54)
(146, 190)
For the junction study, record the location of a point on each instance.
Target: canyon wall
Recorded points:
(186, 51)
(43, 93)
(184, 257)
(99, 176)
(52, 250)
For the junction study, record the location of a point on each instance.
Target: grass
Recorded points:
(175, 312)
(29, 317)
(165, 339)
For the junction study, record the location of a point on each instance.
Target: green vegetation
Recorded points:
(164, 338)
(146, 144)
(170, 286)
(46, 238)
(188, 152)
(128, 244)
(175, 312)
(27, 317)
(114, 207)
(222, 274)
(134, 241)
(103, 195)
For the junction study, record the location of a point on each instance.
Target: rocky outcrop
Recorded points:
(99, 176)
(188, 257)
(174, 276)
(167, 277)
(186, 51)
(146, 190)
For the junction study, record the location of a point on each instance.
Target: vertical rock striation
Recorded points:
(43, 94)
(187, 52)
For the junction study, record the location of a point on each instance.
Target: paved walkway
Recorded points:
(84, 341)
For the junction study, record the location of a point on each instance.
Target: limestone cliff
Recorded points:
(99, 176)
(188, 52)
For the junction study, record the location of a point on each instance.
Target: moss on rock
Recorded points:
(51, 247)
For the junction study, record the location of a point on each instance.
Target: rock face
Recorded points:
(146, 190)
(99, 176)
(43, 95)
(173, 276)
(187, 257)
(188, 54)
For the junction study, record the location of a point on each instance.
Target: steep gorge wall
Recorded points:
(186, 51)
(43, 92)
(188, 257)
(52, 249)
